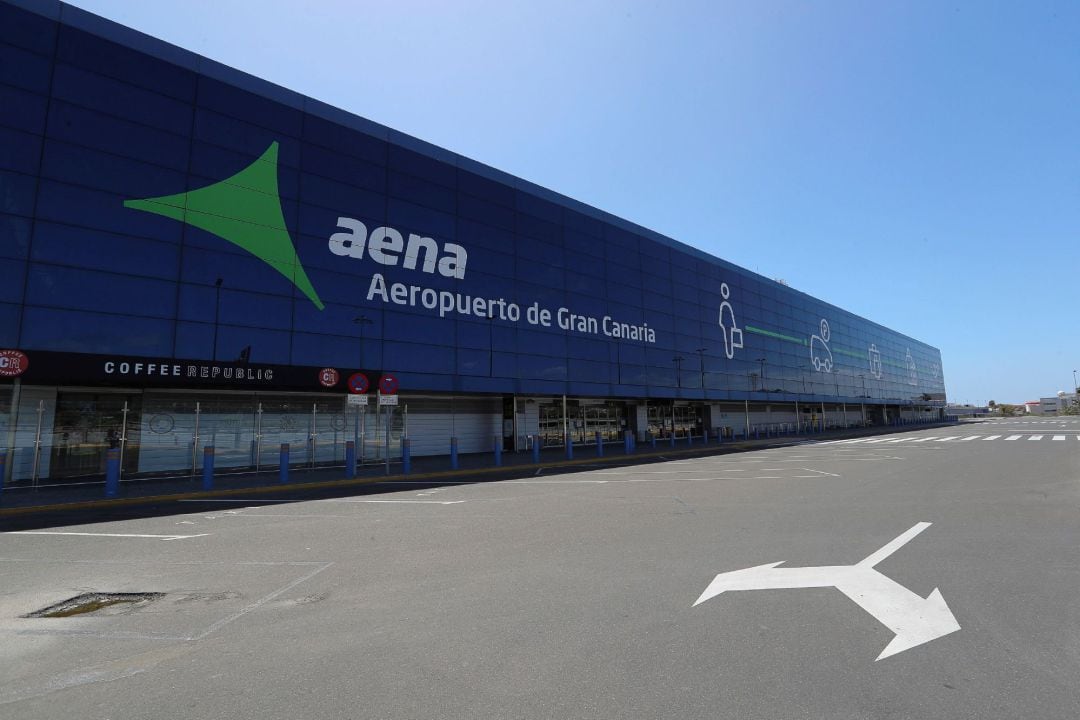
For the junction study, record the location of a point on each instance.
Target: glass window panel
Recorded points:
(19, 151)
(87, 332)
(14, 236)
(113, 97)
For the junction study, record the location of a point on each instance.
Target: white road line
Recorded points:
(947, 438)
(397, 502)
(926, 439)
(871, 442)
(238, 500)
(1036, 437)
(1013, 437)
(969, 437)
(991, 437)
(112, 535)
(553, 482)
(1059, 437)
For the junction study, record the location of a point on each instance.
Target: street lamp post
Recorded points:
(678, 360)
(361, 321)
(217, 313)
(701, 358)
(1076, 386)
(761, 376)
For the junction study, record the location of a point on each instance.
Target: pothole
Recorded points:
(96, 604)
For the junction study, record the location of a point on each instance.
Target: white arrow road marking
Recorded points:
(913, 620)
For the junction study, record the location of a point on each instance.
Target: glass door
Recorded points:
(88, 424)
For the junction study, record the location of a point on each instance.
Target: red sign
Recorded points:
(388, 385)
(328, 377)
(13, 363)
(358, 383)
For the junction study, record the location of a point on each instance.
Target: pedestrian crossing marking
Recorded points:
(942, 439)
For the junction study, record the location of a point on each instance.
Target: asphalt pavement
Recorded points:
(583, 594)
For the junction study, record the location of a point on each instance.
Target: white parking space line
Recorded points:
(879, 440)
(109, 535)
(554, 482)
(991, 437)
(1059, 437)
(969, 437)
(237, 500)
(395, 502)
(1013, 437)
(946, 438)
(899, 440)
(926, 439)
(1036, 437)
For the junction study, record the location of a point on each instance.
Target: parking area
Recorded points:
(576, 594)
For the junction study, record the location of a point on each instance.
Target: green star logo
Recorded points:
(245, 210)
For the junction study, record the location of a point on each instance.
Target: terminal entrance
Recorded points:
(676, 420)
(86, 425)
(583, 419)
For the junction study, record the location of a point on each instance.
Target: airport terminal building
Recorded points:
(191, 256)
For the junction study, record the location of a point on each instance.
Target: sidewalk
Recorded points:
(476, 467)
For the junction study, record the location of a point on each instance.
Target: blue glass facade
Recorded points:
(470, 281)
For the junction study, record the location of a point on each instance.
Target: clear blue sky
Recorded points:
(917, 163)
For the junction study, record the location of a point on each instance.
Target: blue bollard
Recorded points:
(406, 455)
(672, 438)
(497, 443)
(628, 442)
(112, 472)
(599, 445)
(653, 439)
(705, 436)
(569, 448)
(208, 468)
(536, 448)
(453, 454)
(757, 433)
(3, 468)
(350, 459)
(283, 464)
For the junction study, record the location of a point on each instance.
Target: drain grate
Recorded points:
(101, 603)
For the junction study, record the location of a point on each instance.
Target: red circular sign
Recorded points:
(358, 383)
(328, 377)
(13, 363)
(388, 385)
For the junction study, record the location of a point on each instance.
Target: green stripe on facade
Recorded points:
(778, 336)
